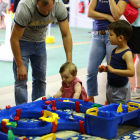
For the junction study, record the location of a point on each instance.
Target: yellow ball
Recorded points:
(49, 39)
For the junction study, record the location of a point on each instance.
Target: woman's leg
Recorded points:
(136, 93)
(3, 23)
(97, 53)
(0, 22)
(137, 71)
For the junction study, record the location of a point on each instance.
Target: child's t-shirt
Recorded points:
(68, 92)
(117, 62)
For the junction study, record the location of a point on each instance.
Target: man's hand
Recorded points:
(21, 73)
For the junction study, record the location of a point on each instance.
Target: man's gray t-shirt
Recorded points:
(35, 24)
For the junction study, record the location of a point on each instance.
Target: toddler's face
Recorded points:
(67, 77)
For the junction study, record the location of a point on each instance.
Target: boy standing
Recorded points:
(121, 64)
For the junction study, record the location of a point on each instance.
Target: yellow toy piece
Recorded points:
(5, 120)
(12, 124)
(7, 10)
(119, 109)
(49, 39)
(49, 136)
(12, 15)
(130, 108)
(90, 111)
(50, 117)
(66, 100)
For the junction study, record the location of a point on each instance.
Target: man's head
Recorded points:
(45, 6)
(44, 2)
(121, 28)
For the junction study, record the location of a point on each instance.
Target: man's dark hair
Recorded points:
(44, 2)
(121, 27)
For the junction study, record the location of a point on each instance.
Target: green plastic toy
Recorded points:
(10, 135)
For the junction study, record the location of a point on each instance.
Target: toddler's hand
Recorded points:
(55, 96)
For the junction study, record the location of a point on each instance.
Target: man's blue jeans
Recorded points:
(35, 52)
(99, 48)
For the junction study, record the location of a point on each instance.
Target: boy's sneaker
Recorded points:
(136, 93)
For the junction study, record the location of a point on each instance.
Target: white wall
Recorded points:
(79, 19)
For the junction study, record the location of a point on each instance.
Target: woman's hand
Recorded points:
(110, 18)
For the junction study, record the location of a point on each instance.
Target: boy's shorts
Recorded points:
(118, 95)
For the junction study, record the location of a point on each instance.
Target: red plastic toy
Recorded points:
(44, 98)
(42, 113)
(54, 105)
(3, 124)
(8, 107)
(81, 126)
(86, 100)
(54, 128)
(77, 109)
(103, 67)
(47, 102)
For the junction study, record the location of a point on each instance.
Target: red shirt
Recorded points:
(68, 92)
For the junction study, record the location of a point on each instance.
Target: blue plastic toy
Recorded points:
(102, 121)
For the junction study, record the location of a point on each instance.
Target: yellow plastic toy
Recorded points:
(49, 136)
(119, 109)
(12, 124)
(133, 106)
(90, 111)
(49, 39)
(50, 117)
(5, 120)
(66, 100)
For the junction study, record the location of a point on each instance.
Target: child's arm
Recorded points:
(103, 68)
(58, 94)
(129, 72)
(77, 89)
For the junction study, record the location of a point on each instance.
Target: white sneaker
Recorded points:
(136, 93)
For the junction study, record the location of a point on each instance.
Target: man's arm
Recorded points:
(17, 33)
(67, 39)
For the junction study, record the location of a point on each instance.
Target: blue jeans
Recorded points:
(99, 48)
(36, 53)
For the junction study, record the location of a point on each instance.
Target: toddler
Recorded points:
(71, 85)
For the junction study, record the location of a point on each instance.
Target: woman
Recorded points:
(134, 44)
(104, 12)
